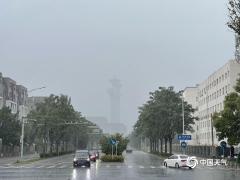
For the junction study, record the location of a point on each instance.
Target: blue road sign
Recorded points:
(183, 144)
(113, 141)
(184, 137)
(223, 144)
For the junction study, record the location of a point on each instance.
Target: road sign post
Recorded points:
(117, 147)
(223, 145)
(112, 142)
(184, 137)
(184, 146)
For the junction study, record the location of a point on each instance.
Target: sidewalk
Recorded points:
(11, 160)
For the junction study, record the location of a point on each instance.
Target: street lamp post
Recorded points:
(22, 137)
(183, 115)
(23, 124)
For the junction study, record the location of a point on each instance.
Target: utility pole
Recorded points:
(183, 115)
(23, 124)
(22, 138)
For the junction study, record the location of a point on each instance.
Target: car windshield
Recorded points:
(184, 157)
(81, 155)
(119, 89)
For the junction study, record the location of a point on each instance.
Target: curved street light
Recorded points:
(23, 122)
(35, 89)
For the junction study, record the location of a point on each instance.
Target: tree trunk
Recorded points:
(170, 145)
(57, 147)
(161, 145)
(166, 145)
(152, 145)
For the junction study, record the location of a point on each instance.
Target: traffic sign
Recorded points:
(223, 144)
(184, 137)
(183, 144)
(113, 141)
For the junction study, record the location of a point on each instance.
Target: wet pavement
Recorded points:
(138, 166)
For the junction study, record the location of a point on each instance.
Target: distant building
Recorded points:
(190, 96)
(108, 127)
(13, 96)
(114, 93)
(22, 95)
(33, 101)
(10, 94)
(210, 98)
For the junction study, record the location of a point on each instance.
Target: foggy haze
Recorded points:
(75, 47)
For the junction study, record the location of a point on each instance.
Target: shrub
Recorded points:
(107, 147)
(53, 154)
(110, 158)
(238, 158)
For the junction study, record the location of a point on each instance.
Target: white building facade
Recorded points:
(210, 99)
(190, 96)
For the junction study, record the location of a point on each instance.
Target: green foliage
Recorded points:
(234, 15)
(238, 158)
(110, 158)
(54, 124)
(107, 147)
(227, 122)
(53, 154)
(161, 116)
(10, 127)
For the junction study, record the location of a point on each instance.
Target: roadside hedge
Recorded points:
(238, 158)
(54, 154)
(110, 158)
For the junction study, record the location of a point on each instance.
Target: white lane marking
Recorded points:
(118, 167)
(130, 167)
(108, 166)
(49, 167)
(152, 167)
(61, 167)
(141, 167)
(12, 167)
(39, 167)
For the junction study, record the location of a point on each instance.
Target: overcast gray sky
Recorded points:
(75, 46)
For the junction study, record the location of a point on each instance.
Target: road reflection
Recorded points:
(85, 173)
(81, 173)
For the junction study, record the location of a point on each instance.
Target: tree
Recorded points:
(234, 16)
(57, 123)
(10, 127)
(160, 118)
(227, 122)
(107, 147)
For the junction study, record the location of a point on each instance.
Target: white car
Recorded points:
(178, 161)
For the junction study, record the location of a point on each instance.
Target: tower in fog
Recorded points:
(114, 93)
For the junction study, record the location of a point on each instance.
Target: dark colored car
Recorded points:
(81, 158)
(93, 156)
(129, 150)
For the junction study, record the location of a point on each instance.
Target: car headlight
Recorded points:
(88, 159)
(75, 159)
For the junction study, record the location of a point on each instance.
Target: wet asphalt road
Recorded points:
(138, 166)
